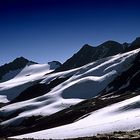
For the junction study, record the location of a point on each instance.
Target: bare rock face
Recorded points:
(89, 54)
(54, 64)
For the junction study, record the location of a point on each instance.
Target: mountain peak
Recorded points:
(54, 64)
(111, 43)
(86, 46)
(89, 54)
(16, 64)
(21, 59)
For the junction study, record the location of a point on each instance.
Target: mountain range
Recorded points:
(89, 53)
(95, 91)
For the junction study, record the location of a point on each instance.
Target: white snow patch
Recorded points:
(13, 87)
(109, 119)
(3, 99)
(85, 82)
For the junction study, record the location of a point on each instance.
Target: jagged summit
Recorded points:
(89, 53)
(24, 60)
(17, 64)
(82, 57)
(111, 43)
(86, 46)
(110, 48)
(21, 58)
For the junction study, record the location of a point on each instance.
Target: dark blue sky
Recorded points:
(45, 30)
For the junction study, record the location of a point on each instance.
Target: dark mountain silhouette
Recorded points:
(18, 63)
(89, 53)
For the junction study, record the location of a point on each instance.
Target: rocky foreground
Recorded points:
(129, 135)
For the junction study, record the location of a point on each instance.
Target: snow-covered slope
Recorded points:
(23, 79)
(10, 70)
(122, 116)
(62, 90)
(85, 82)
